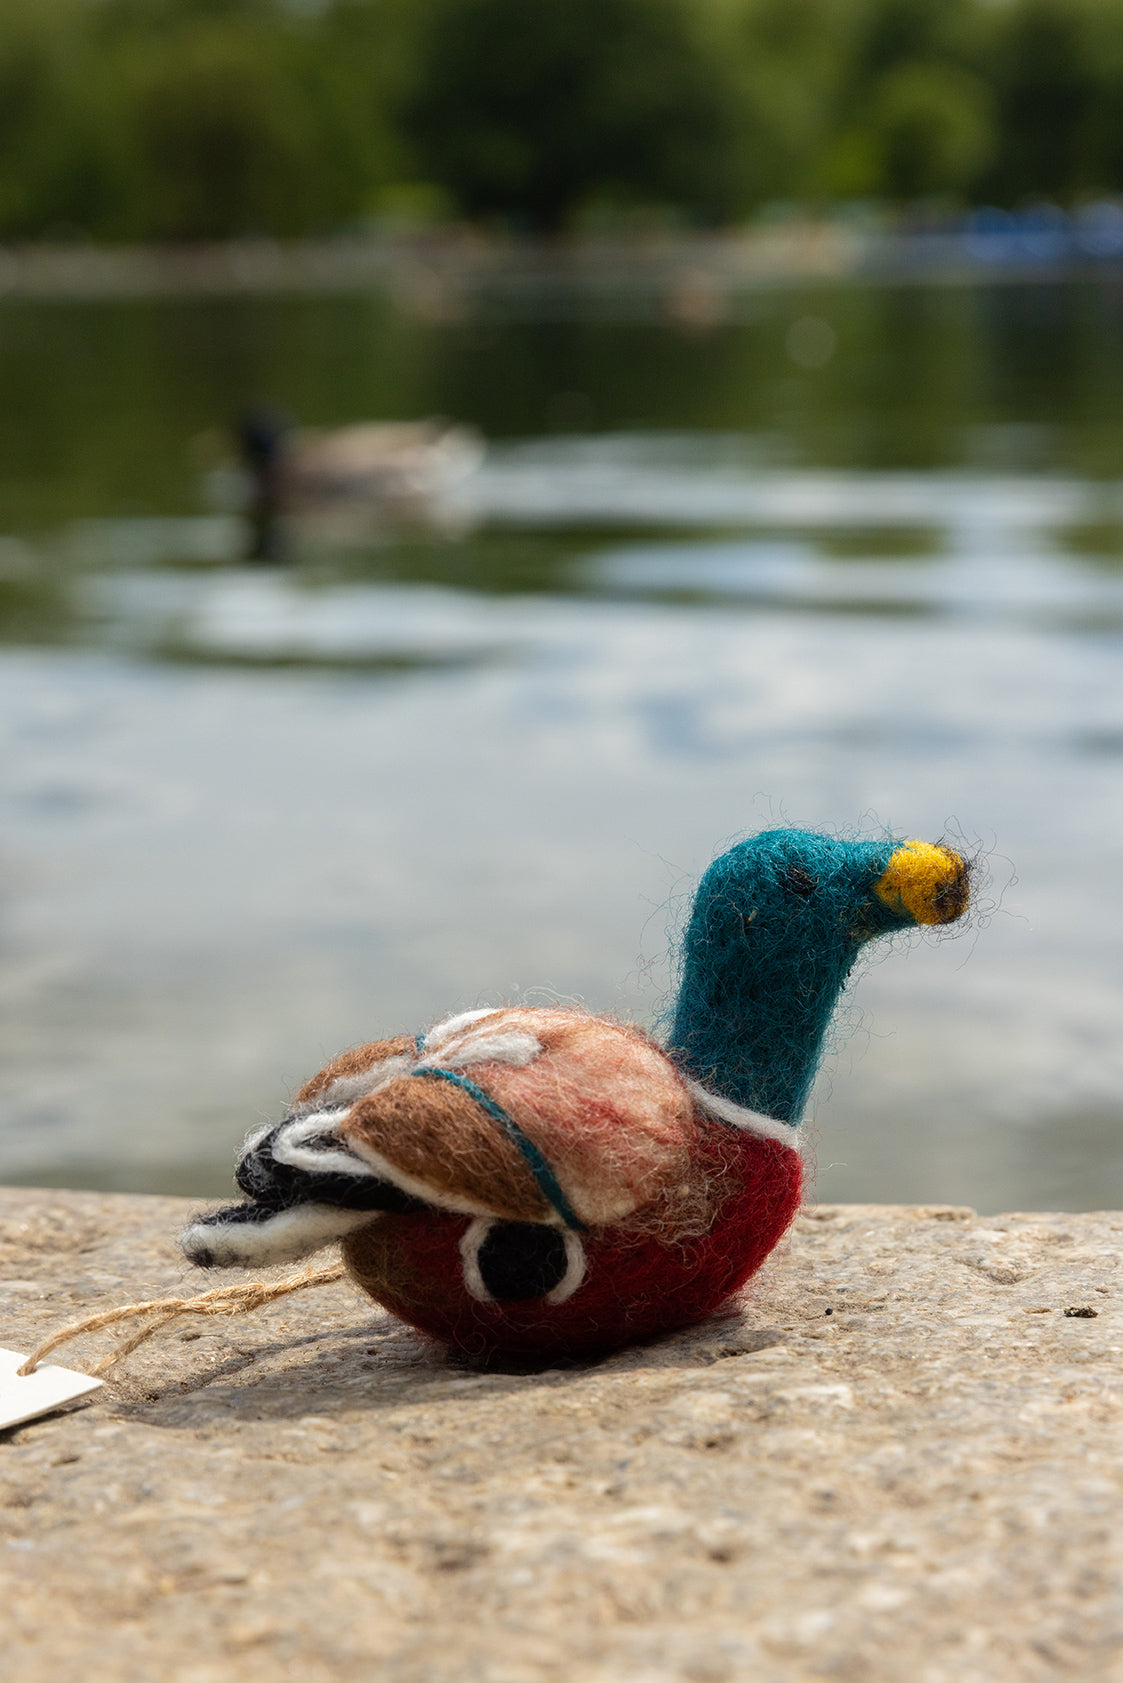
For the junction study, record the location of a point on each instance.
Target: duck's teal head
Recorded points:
(777, 924)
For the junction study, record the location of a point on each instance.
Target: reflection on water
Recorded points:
(254, 815)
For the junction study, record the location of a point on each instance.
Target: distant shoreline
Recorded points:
(442, 274)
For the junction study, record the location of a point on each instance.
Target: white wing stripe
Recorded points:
(284, 1237)
(452, 1026)
(345, 1090)
(511, 1047)
(294, 1146)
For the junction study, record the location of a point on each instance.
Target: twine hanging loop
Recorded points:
(223, 1300)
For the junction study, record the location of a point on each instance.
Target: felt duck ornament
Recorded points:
(544, 1182)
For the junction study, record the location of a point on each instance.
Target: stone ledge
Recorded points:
(901, 1460)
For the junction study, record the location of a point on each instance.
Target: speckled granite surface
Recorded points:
(901, 1460)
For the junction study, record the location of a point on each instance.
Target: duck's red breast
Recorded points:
(630, 1280)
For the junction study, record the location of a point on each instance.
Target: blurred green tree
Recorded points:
(61, 152)
(528, 109)
(1044, 83)
(915, 118)
(927, 133)
(1099, 165)
(189, 119)
(788, 64)
(236, 124)
(934, 130)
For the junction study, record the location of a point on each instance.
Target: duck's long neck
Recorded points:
(749, 1024)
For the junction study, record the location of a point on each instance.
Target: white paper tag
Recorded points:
(39, 1392)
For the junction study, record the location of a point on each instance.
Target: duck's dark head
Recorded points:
(261, 435)
(777, 924)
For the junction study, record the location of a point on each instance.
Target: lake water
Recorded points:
(849, 556)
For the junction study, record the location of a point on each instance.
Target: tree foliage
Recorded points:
(538, 107)
(188, 119)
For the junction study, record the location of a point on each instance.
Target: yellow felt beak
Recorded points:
(930, 883)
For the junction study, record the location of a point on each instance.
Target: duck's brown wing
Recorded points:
(427, 1129)
(441, 1141)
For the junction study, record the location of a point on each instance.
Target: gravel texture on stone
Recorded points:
(901, 1459)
